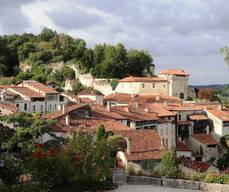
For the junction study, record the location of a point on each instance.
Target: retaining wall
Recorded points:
(176, 183)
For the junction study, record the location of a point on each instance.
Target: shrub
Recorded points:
(113, 83)
(169, 164)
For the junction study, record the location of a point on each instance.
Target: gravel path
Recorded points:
(149, 188)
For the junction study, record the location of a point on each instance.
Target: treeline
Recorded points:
(104, 61)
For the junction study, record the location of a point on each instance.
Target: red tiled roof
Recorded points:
(198, 117)
(101, 111)
(93, 123)
(178, 72)
(205, 139)
(40, 86)
(126, 98)
(221, 114)
(57, 114)
(26, 91)
(86, 100)
(181, 146)
(8, 106)
(143, 79)
(144, 144)
(134, 114)
(159, 109)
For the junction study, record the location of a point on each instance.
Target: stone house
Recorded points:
(204, 146)
(31, 96)
(220, 121)
(170, 82)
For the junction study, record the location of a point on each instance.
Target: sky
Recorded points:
(183, 34)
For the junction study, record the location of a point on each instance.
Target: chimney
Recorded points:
(67, 120)
(220, 106)
(108, 106)
(59, 107)
(126, 109)
(136, 104)
(128, 140)
(63, 107)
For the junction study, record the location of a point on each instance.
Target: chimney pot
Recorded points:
(108, 106)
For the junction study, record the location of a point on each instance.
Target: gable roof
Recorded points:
(221, 114)
(144, 144)
(178, 72)
(180, 146)
(205, 139)
(8, 106)
(57, 114)
(43, 88)
(26, 91)
(159, 109)
(143, 79)
(126, 98)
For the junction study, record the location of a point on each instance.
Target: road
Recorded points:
(149, 188)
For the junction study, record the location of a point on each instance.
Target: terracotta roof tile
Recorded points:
(134, 114)
(26, 91)
(126, 98)
(198, 117)
(221, 114)
(180, 146)
(205, 139)
(8, 106)
(57, 114)
(144, 144)
(178, 72)
(43, 88)
(143, 79)
(159, 109)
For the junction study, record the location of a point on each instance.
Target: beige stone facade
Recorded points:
(169, 82)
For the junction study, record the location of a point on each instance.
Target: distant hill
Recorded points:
(212, 86)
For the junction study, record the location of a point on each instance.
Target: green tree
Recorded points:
(169, 165)
(47, 34)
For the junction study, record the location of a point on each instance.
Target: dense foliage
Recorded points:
(105, 61)
(75, 164)
(169, 164)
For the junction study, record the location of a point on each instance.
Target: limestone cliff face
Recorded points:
(86, 79)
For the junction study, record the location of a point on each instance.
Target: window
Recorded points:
(41, 108)
(179, 117)
(181, 95)
(153, 85)
(143, 85)
(34, 108)
(17, 105)
(166, 142)
(50, 107)
(25, 107)
(55, 106)
(164, 85)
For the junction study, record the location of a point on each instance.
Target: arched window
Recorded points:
(181, 95)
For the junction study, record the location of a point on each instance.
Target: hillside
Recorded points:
(37, 52)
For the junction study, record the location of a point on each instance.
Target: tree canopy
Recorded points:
(103, 61)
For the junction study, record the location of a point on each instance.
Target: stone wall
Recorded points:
(176, 183)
